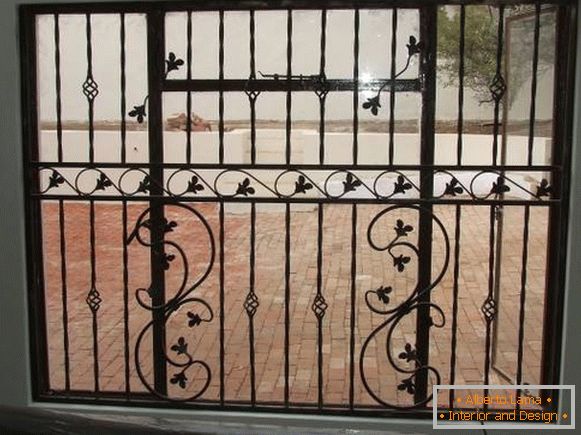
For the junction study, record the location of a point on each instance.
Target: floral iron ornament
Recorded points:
(172, 63)
(406, 363)
(414, 47)
(190, 376)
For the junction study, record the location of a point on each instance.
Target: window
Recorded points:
(318, 208)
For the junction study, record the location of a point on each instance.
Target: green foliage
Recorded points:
(480, 49)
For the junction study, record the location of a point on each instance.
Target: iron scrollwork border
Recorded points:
(411, 303)
(183, 359)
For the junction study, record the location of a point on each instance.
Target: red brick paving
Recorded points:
(374, 269)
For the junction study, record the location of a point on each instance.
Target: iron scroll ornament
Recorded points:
(183, 360)
(378, 301)
(89, 181)
(414, 47)
(139, 112)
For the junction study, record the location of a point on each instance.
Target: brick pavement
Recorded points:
(374, 269)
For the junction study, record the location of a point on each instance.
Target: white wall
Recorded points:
(270, 146)
(375, 61)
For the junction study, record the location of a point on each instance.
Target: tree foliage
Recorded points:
(480, 48)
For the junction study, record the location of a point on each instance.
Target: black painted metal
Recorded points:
(563, 104)
(156, 48)
(160, 187)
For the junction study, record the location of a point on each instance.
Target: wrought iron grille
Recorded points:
(159, 253)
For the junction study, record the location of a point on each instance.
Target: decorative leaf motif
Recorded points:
(103, 182)
(452, 188)
(400, 261)
(179, 379)
(414, 47)
(383, 294)
(195, 319)
(194, 185)
(373, 104)
(407, 385)
(402, 229)
(172, 63)
(409, 353)
(169, 226)
(181, 347)
(152, 292)
(544, 189)
(139, 113)
(400, 186)
(301, 185)
(166, 259)
(244, 188)
(498, 187)
(350, 183)
(55, 180)
(145, 184)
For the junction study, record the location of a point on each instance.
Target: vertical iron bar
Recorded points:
(319, 294)
(251, 314)
(34, 240)
(287, 245)
(95, 325)
(126, 354)
(62, 235)
(319, 297)
(428, 32)
(354, 212)
(252, 96)
(287, 266)
(521, 319)
(289, 57)
(458, 217)
(57, 66)
(93, 292)
(490, 298)
(353, 305)
(488, 310)
(455, 292)
(322, 96)
(189, 93)
(563, 103)
(123, 90)
(356, 84)
(65, 315)
(532, 119)
(90, 76)
(222, 318)
(460, 124)
(533, 105)
(221, 92)
(392, 93)
(497, 101)
(156, 73)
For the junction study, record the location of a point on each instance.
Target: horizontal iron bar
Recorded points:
(227, 5)
(140, 399)
(257, 200)
(307, 408)
(283, 85)
(314, 167)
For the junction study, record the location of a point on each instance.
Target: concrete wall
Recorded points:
(270, 147)
(374, 61)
